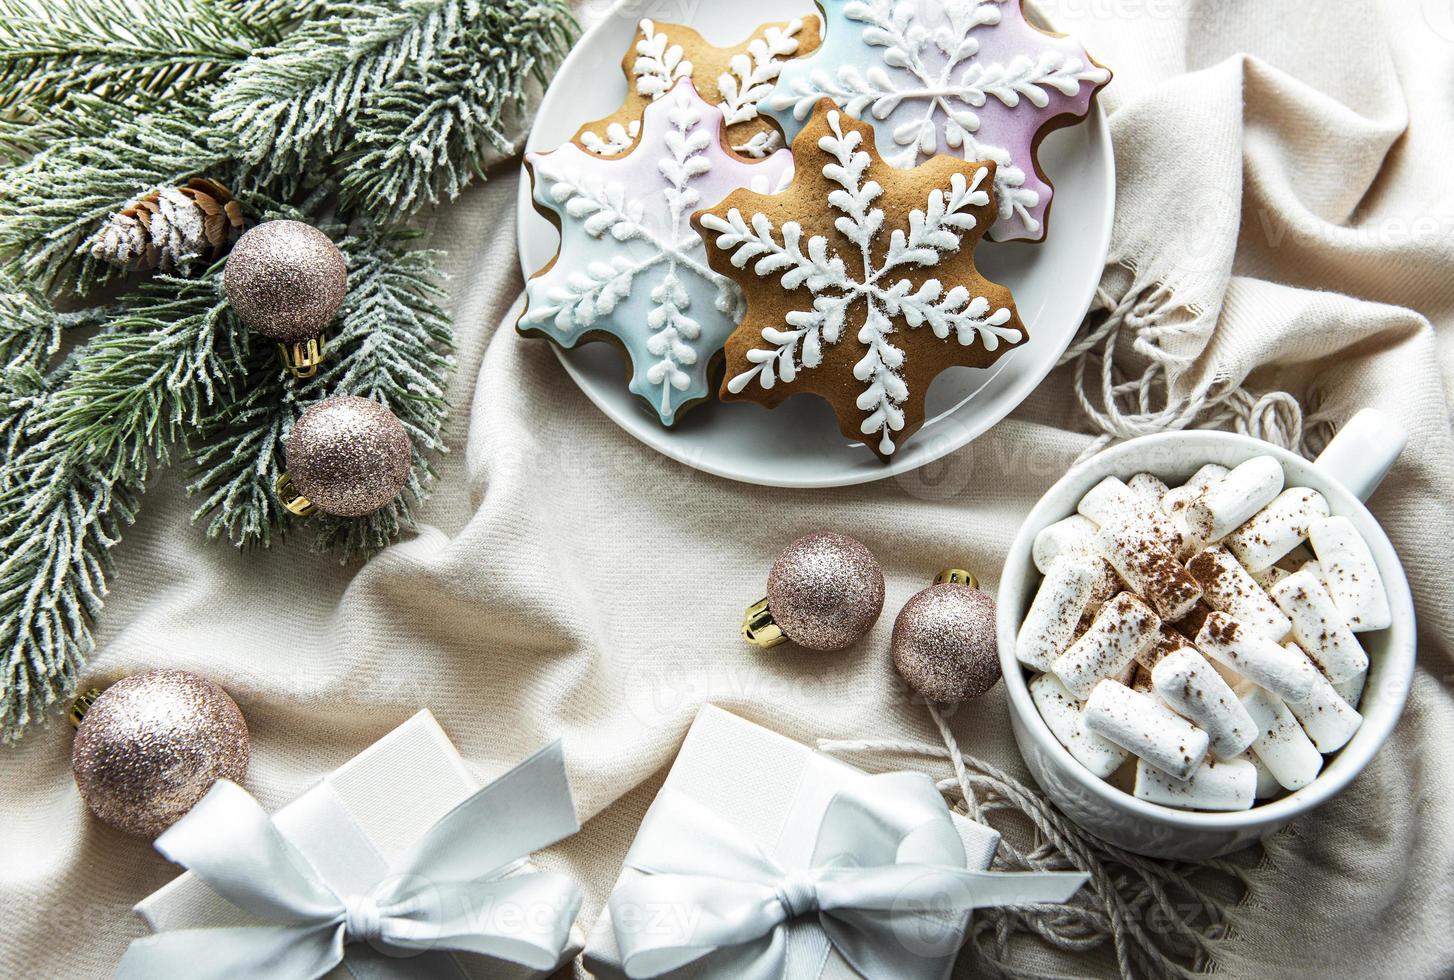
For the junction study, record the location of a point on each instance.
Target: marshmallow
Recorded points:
(1352, 577)
(1281, 744)
(1140, 679)
(1319, 628)
(1351, 690)
(1187, 682)
(1146, 729)
(1277, 528)
(1234, 498)
(1148, 487)
(1050, 624)
(1107, 588)
(1269, 577)
(1148, 568)
(1226, 785)
(1112, 502)
(1230, 588)
(1178, 499)
(1107, 501)
(1175, 504)
(1255, 657)
(1072, 536)
(1122, 629)
(1063, 714)
(1167, 640)
(1328, 720)
(1267, 784)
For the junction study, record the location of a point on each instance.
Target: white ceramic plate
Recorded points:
(798, 444)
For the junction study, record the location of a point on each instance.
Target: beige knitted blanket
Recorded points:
(1286, 224)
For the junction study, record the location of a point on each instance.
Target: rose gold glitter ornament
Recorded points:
(151, 745)
(286, 280)
(346, 456)
(944, 643)
(824, 592)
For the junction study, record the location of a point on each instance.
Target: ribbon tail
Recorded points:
(909, 921)
(992, 889)
(525, 810)
(229, 842)
(303, 952)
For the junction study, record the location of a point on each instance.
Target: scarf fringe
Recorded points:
(1127, 372)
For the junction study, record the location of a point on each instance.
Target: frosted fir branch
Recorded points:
(237, 454)
(395, 348)
(138, 389)
(54, 201)
(408, 99)
(135, 55)
(60, 514)
(56, 559)
(427, 138)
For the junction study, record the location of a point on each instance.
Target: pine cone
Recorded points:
(170, 227)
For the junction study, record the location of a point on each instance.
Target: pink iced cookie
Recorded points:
(970, 78)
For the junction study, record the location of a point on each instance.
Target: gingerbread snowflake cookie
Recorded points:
(630, 268)
(733, 79)
(972, 78)
(860, 280)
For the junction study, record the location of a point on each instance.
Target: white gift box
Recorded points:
(775, 791)
(376, 806)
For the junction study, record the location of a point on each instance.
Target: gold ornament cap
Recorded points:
(303, 358)
(81, 705)
(758, 627)
(293, 501)
(956, 576)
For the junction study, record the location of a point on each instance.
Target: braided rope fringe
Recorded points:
(1126, 366)
(1159, 923)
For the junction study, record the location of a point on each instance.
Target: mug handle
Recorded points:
(1363, 451)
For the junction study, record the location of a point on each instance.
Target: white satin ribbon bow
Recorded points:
(449, 893)
(887, 884)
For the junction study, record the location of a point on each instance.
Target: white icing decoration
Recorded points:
(637, 225)
(747, 82)
(618, 139)
(658, 67)
(906, 48)
(812, 264)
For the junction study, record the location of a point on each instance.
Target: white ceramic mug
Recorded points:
(1346, 473)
